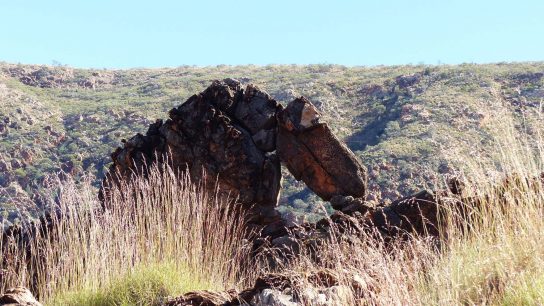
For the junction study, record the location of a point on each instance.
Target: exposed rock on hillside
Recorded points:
(408, 80)
(232, 135)
(277, 290)
(218, 131)
(57, 77)
(226, 132)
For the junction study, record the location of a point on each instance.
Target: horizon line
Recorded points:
(423, 64)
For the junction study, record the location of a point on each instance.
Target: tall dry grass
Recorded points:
(495, 258)
(161, 236)
(172, 237)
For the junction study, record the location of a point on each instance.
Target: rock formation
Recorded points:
(278, 290)
(237, 138)
(225, 134)
(314, 155)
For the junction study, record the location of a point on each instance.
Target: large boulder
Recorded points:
(226, 133)
(313, 154)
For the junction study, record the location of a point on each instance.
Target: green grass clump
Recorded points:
(529, 291)
(144, 285)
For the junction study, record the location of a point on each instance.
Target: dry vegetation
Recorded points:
(495, 259)
(172, 238)
(169, 238)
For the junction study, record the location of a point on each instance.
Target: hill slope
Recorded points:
(407, 123)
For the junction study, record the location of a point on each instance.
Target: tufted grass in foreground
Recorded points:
(144, 285)
(161, 236)
(494, 258)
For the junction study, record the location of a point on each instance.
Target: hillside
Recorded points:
(406, 123)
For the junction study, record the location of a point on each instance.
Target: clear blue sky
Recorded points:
(102, 33)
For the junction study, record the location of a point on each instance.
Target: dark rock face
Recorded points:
(349, 205)
(224, 131)
(237, 138)
(418, 214)
(312, 153)
(408, 80)
(257, 112)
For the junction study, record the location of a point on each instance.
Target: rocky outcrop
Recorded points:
(237, 137)
(415, 214)
(404, 81)
(58, 77)
(312, 153)
(225, 134)
(19, 296)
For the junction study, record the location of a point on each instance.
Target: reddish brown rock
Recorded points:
(313, 154)
(213, 132)
(229, 133)
(232, 135)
